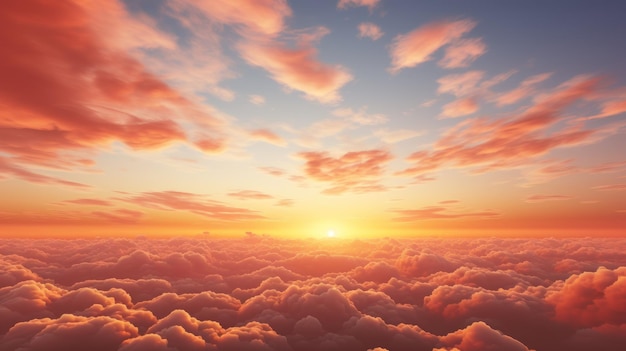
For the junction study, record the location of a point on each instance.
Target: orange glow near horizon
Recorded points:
(127, 119)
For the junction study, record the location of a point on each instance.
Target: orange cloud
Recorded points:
(123, 216)
(89, 202)
(370, 30)
(250, 195)
(460, 84)
(462, 53)
(445, 210)
(357, 171)
(417, 46)
(268, 136)
(298, 69)
(370, 4)
(9, 169)
(512, 141)
(67, 88)
(264, 17)
(460, 107)
(543, 198)
(610, 187)
(194, 203)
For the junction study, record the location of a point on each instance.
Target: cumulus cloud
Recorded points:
(264, 293)
(370, 30)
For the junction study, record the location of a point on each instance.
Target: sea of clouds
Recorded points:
(264, 293)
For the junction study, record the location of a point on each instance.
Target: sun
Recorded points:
(330, 233)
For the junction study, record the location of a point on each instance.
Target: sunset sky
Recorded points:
(366, 117)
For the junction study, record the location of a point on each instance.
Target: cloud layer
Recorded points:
(260, 293)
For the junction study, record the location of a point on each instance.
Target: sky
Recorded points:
(367, 118)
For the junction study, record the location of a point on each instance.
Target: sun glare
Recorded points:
(330, 233)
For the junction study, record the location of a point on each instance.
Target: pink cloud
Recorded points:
(370, 30)
(194, 203)
(543, 198)
(462, 53)
(440, 212)
(461, 107)
(89, 202)
(92, 96)
(525, 89)
(357, 171)
(510, 141)
(265, 17)
(610, 187)
(268, 136)
(298, 69)
(291, 294)
(417, 46)
(250, 195)
(460, 84)
(370, 4)
(119, 216)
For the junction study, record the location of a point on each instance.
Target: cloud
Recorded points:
(89, 202)
(462, 53)
(257, 99)
(263, 17)
(370, 30)
(460, 107)
(525, 89)
(440, 212)
(250, 195)
(397, 135)
(298, 68)
(357, 171)
(194, 203)
(75, 102)
(370, 4)
(305, 294)
(285, 203)
(487, 144)
(417, 46)
(610, 187)
(361, 116)
(460, 84)
(119, 215)
(543, 198)
(268, 136)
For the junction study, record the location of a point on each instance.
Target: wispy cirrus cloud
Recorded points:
(194, 203)
(547, 197)
(357, 171)
(485, 145)
(449, 209)
(610, 187)
(418, 46)
(462, 53)
(250, 195)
